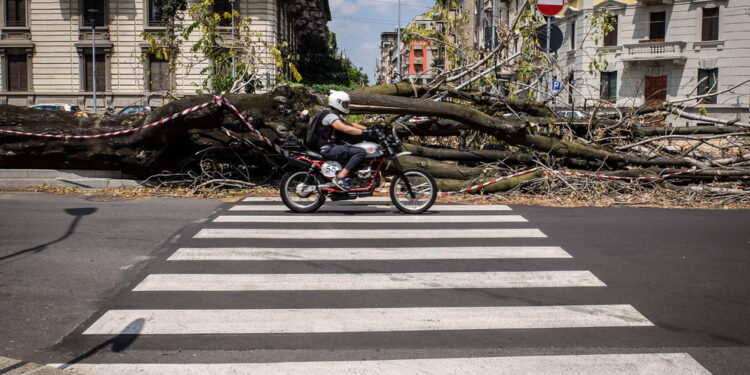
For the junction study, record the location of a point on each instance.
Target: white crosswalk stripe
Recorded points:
(367, 233)
(239, 321)
(302, 218)
(377, 318)
(367, 253)
(367, 281)
(362, 207)
(593, 364)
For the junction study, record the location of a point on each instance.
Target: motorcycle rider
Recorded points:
(327, 137)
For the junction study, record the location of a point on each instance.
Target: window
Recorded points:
(417, 53)
(154, 13)
(18, 78)
(221, 7)
(417, 68)
(657, 26)
(611, 38)
(710, 26)
(15, 12)
(608, 88)
(100, 12)
(573, 35)
(101, 73)
(158, 74)
(708, 82)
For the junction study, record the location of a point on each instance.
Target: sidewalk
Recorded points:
(86, 179)
(10, 366)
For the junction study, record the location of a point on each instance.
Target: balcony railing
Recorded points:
(657, 50)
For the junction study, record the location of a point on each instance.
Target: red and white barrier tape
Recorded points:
(623, 178)
(488, 183)
(237, 112)
(119, 132)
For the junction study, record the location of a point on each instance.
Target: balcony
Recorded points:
(655, 50)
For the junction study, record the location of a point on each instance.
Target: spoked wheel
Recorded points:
(423, 186)
(299, 191)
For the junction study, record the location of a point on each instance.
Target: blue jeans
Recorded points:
(352, 155)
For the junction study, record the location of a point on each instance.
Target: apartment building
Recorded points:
(661, 50)
(46, 48)
(421, 59)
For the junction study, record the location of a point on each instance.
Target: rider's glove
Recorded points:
(369, 134)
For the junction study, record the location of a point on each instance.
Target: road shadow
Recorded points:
(77, 214)
(119, 343)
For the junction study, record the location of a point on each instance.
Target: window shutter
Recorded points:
(11, 12)
(21, 13)
(611, 38)
(101, 73)
(15, 13)
(710, 27)
(18, 79)
(573, 35)
(159, 79)
(657, 29)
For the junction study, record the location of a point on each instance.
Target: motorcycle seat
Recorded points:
(314, 155)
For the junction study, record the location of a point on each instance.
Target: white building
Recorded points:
(46, 48)
(660, 50)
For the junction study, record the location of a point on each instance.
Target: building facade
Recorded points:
(46, 48)
(421, 59)
(660, 50)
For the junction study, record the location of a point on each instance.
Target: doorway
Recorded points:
(656, 90)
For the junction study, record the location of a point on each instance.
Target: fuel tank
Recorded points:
(373, 149)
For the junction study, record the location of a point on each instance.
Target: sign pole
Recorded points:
(549, 28)
(549, 37)
(549, 8)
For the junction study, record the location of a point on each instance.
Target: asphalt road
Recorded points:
(62, 257)
(682, 272)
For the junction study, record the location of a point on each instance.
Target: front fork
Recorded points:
(400, 172)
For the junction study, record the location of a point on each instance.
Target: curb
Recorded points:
(9, 366)
(85, 179)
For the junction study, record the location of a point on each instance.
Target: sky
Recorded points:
(358, 24)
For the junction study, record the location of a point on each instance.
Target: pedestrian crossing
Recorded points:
(344, 261)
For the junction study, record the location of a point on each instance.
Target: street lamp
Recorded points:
(398, 43)
(234, 75)
(92, 19)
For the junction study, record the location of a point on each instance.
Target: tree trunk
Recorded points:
(507, 184)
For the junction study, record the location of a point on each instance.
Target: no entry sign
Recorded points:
(550, 7)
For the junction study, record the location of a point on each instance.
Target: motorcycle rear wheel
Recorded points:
(423, 186)
(299, 191)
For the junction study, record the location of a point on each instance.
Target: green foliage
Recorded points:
(165, 43)
(320, 65)
(325, 88)
(602, 22)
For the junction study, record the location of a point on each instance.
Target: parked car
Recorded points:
(135, 109)
(575, 115)
(520, 114)
(56, 107)
(421, 118)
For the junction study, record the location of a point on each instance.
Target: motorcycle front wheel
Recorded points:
(299, 191)
(423, 186)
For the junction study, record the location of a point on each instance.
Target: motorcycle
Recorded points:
(306, 188)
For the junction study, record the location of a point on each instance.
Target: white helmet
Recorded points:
(339, 100)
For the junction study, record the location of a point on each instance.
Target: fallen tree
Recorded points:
(467, 143)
